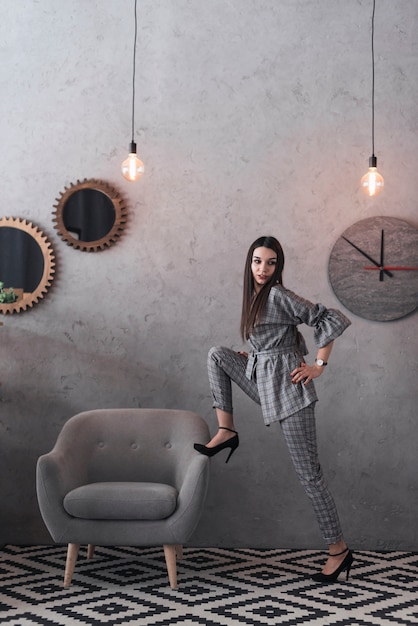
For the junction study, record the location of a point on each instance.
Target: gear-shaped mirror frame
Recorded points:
(118, 205)
(28, 299)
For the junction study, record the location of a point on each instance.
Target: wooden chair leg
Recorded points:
(72, 554)
(179, 552)
(90, 551)
(170, 559)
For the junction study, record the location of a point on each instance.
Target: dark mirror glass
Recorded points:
(21, 260)
(89, 214)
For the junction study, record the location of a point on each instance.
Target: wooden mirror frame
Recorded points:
(29, 299)
(120, 215)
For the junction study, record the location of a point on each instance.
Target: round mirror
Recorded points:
(27, 265)
(90, 215)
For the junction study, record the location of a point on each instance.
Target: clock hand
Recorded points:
(366, 255)
(381, 255)
(393, 268)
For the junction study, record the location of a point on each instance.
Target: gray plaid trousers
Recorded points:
(299, 430)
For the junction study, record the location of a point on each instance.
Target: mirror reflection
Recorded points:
(21, 260)
(89, 214)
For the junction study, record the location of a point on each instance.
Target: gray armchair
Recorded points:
(124, 477)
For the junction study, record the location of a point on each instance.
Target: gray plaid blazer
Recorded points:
(278, 347)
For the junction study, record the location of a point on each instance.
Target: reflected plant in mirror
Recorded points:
(7, 295)
(27, 265)
(90, 215)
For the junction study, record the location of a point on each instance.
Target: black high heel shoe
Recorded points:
(231, 443)
(345, 565)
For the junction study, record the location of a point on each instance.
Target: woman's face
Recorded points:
(263, 266)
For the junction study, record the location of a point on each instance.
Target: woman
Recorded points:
(275, 375)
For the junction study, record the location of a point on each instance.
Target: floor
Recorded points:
(217, 587)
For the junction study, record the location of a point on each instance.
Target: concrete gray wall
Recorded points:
(253, 117)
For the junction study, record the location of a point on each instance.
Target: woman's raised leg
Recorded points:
(226, 365)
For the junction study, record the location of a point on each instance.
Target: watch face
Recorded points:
(373, 268)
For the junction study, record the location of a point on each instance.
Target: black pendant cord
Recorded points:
(374, 8)
(133, 77)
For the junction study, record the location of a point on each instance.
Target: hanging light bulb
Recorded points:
(372, 183)
(132, 167)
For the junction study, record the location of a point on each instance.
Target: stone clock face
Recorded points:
(373, 268)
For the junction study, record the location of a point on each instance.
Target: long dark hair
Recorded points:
(253, 306)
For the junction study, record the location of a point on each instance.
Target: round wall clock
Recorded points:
(373, 268)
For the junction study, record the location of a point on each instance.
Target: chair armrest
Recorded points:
(56, 474)
(191, 498)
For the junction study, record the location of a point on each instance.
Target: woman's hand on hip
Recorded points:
(305, 373)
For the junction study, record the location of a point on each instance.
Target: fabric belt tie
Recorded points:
(253, 356)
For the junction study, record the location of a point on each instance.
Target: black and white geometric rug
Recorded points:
(217, 587)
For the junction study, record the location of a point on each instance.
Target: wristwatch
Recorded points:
(321, 362)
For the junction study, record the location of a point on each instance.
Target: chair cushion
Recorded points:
(123, 501)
